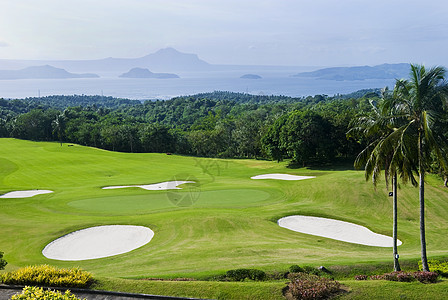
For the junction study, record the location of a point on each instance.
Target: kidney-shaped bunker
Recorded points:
(337, 230)
(98, 242)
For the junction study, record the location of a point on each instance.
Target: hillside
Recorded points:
(384, 71)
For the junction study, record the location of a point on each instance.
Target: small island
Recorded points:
(145, 73)
(251, 76)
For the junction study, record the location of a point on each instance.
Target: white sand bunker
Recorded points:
(282, 177)
(168, 185)
(98, 242)
(25, 194)
(337, 230)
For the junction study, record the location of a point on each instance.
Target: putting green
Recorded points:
(156, 201)
(232, 198)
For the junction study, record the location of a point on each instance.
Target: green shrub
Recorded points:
(242, 274)
(295, 269)
(3, 262)
(32, 293)
(276, 275)
(312, 270)
(440, 267)
(49, 276)
(309, 286)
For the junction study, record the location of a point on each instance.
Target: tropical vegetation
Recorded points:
(420, 103)
(33, 293)
(406, 136)
(218, 124)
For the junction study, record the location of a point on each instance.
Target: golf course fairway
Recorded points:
(224, 220)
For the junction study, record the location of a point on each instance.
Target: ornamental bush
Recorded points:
(426, 277)
(308, 286)
(32, 293)
(48, 276)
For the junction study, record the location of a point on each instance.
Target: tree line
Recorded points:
(220, 124)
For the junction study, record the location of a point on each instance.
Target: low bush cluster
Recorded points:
(309, 286)
(242, 274)
(48, 276)
(32, 293)
(3, 262)
(440, 267)
(424, 277)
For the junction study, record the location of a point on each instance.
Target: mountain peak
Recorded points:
(168, 50)
(173, 60)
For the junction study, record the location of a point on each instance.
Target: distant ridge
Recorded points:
(42, 72)
(384, 71)
(164, 60)
(251, 76)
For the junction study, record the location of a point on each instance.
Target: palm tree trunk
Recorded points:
(395, 230)
(422, 204)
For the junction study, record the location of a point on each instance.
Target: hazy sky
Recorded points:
(267, 32)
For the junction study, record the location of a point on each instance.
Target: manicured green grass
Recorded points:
(369, 289)
(196, 289)
(150, 202)
(381, 289)
(225, 221)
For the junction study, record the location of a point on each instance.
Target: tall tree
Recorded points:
(419, 103)
(380, 154)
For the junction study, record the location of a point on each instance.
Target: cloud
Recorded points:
(3, 44)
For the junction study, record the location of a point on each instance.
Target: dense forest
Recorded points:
(220, 124)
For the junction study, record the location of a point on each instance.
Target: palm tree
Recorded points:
(419, 104)
(380, 154)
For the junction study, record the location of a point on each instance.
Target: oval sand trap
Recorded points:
(337, 230)
(168, 185)
(281, 177)
(25, 194)
(98, 242)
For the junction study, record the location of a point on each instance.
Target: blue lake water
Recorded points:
(188, 84)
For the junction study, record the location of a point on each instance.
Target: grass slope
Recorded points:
(225, 221)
